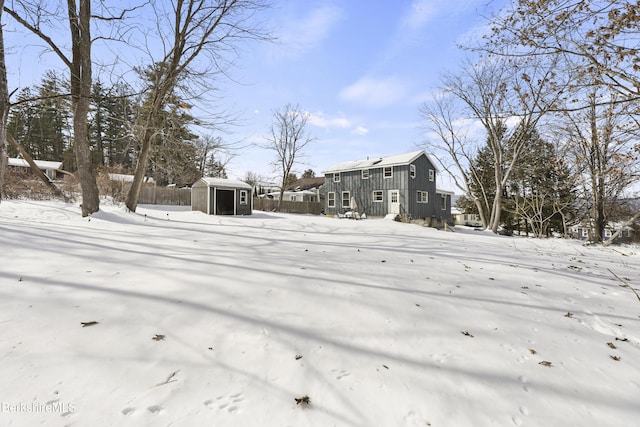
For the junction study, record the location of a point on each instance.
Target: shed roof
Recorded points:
(225, 183)
(394, 160)
(42, 164)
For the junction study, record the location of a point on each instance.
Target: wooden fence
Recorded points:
(270, 205)
(165, 196)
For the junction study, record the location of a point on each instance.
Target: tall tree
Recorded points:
(507, 98)
(541, 189)
(199, 37)
(604, 142)
(31, 15)
(288, 137)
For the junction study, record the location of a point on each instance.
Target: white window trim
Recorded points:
(243, 197)
(412, 171)
(420, 198)
(348, 199)
(444, 202)
(336, 177)
(331, 197)
(384, 172)
(365, 174)
(373, 196)
(432, 175)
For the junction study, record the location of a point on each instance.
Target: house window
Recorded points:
(423, 197)
(432, 175)
(388, 172)
(331, 199)
(336, 177)
(292, 198)
(444, 202)
(377, 196)
(412, 171)
(365, 173)
(345, 199)
(243, 197)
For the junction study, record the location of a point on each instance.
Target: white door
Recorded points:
(394, 202)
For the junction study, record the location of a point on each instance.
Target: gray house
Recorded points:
(402, 184)
(217, 196)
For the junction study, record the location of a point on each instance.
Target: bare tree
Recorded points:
(603, 139)
(449, 143)
(200, 39)
(30, 15)
(494, 92)
(288, 138)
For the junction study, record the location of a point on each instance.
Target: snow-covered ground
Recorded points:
(226, 321)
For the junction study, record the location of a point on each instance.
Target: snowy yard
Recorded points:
(168, 317)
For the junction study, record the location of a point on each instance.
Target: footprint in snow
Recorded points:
(229, 403)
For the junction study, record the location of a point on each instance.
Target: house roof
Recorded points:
(395, 160)
(306, 183)
(42, 164)
(225, 183)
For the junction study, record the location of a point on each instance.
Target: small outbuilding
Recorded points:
(218, 196)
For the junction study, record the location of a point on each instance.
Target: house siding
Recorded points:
(407, 187)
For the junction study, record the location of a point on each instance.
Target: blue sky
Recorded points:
(361, 68)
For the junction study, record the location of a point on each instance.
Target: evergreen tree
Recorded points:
(110, 126)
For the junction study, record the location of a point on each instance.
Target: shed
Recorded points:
(218, 196)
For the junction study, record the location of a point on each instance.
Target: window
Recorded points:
(377, 196)
(243, 197)
(432, 175)
(444, 202)
(365, 173)
(412, 171)
(336, 177)
(423, 197)
(331, 199)
(345, 199)
(388, 172)
(293, 198)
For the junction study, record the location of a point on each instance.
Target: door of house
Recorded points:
(394, 202)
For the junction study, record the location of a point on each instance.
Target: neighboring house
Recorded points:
(584, 231)
(49, 168)
(264, 187)
(293, 196)
(218, 196)
(403, 184)
(470, 220)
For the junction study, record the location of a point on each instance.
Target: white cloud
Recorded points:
(360, 130)
(300, 34)
(319, 119)
(420, 13)
(376, 92)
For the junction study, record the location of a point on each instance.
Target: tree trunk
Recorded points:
(80, 99)
(4, 108)
(138, 176)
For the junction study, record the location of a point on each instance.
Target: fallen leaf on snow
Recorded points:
(85, 324)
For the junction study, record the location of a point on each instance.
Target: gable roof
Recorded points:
(306, 183)
(225, 183)
(378, 162)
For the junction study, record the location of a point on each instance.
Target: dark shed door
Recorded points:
(225, 202)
